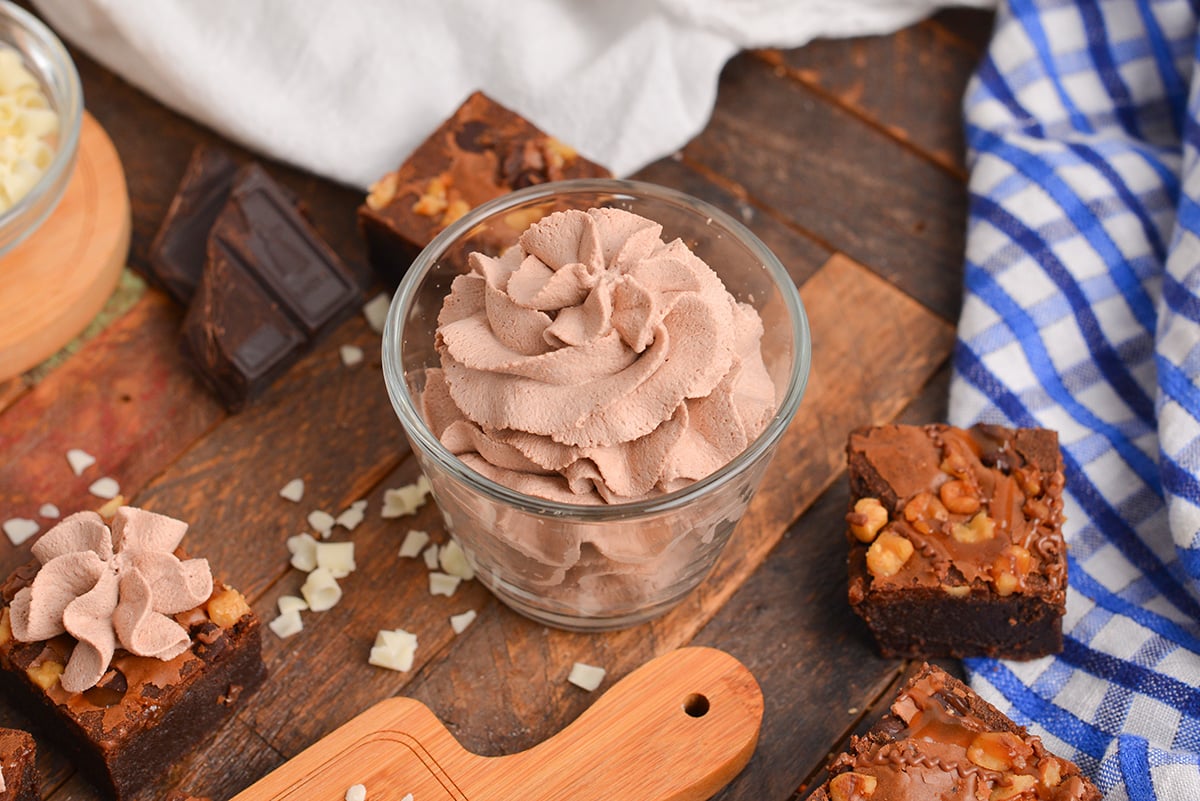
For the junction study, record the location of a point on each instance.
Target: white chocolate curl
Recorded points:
(111, 588)
(594, 363)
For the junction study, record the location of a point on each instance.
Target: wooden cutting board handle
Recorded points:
(679, 728)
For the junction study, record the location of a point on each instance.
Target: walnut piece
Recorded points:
(433, 201)
(867, 518)
(45, 674)
(1019, 785)
(454, 210)
(999, 751)
(979, 528)
(1010, 569)
(852, 786)
(888, 554)
(382, 191)
(558, 154)
(227, 607)
(959, 497)
(924, 512)
(1050, 772)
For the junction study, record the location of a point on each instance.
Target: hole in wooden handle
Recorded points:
(696, 705)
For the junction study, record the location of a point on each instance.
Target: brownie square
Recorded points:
(956, 544)
(18, 766)
(942, 741)
(128, 730)
(482, 152)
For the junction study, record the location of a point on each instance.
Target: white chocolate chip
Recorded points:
(351, 517)
(414, 541)
(49, 511)
(291, 603)
(443, 584)
(321, 590)
(405, 500)
(322, 522)
(454, 561)
(293, 490)
(586, 677)
(351, 355)
(79, 460)
(431, 557)
(394, 649)
(106, 488)
(408, 797)
(460, 622)
(336, 557)
(303, 549)
(287, 624)
(356, 792)
(19, 529)
(376, 310)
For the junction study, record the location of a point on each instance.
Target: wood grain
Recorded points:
(695, 711)
(867, 196)
(798, 252)
(882, 78)
(126, 398)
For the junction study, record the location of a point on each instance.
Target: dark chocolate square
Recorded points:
(179, 248)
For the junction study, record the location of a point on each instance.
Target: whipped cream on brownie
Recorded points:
(594, 363)
(110, 589)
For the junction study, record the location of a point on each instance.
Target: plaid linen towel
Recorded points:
(1081, 313)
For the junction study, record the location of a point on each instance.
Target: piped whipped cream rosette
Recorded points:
(594, 363)
(109, 589)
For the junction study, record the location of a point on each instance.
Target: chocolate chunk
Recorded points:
(302, 273)
(482, 152)
(236, 337)
(178, 252)
(271, 287)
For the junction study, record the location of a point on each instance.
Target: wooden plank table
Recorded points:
(844, 156)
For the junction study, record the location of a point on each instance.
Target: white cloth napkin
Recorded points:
(347, 90)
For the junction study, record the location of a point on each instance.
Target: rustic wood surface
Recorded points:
(844, 156)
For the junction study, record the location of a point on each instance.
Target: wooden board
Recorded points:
(56, 280)
(677, 729)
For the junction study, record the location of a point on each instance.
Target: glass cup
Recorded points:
(576, 566)
(45, 57)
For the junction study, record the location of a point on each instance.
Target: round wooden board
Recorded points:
(54, 283)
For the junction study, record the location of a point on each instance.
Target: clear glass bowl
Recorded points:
(46, 57)
(578, 566)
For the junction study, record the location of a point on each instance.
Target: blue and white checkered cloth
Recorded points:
(1082, 314)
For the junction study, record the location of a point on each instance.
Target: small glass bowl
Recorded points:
(578, 566)
(46, 57)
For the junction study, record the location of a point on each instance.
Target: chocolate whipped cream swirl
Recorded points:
(594, 363)
(110, 589)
